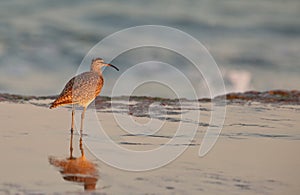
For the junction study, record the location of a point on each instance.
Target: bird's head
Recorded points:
(98, 63)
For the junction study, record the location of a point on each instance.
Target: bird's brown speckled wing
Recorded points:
(81, 89)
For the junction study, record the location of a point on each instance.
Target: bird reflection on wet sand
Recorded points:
(79, 170)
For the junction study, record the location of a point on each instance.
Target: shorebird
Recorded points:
(82, 89)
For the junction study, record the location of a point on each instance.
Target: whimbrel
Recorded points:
(82, 89)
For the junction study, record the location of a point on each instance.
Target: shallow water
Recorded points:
(255, 153)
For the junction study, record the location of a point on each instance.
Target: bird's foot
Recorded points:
(82, 134)
(74, 132)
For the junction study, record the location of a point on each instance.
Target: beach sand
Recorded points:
(256, 153)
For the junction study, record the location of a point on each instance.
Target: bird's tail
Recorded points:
(60, 101)
(53, 105)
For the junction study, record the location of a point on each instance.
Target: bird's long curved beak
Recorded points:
(113, 66)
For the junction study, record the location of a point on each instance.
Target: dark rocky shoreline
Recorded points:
(273, 96)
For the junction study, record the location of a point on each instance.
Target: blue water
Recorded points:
(256, 44)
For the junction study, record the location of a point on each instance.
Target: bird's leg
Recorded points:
(73, 114)
(82, 118)
(80, 146)
(71, 145)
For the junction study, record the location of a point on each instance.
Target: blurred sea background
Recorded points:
(256, 44)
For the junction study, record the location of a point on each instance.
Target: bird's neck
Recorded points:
(98, 71)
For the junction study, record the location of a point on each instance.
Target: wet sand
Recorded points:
(256, 153)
